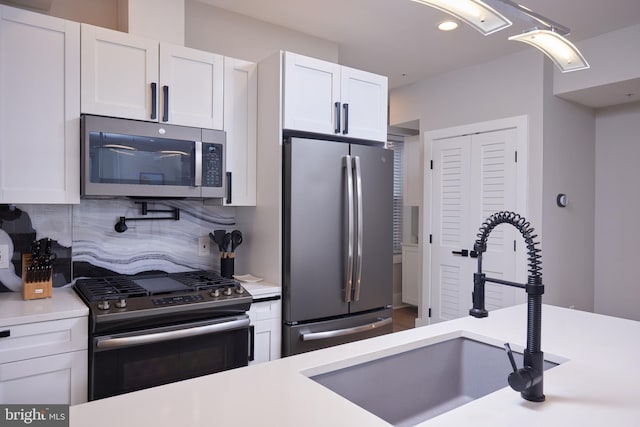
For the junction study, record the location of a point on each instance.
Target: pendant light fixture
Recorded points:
(487, 17)
(476, 13)
(561, 51)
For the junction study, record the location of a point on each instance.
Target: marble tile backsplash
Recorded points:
(87, 244)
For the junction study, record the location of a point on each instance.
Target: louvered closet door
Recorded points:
(473, 177)
(493, 189)
(451, 230)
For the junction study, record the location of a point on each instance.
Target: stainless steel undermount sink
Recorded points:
(415, 385)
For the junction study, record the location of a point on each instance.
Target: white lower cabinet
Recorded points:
(44, 362)
(57, 379)
(266, 318)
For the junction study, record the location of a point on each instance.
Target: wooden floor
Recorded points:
(404, 318)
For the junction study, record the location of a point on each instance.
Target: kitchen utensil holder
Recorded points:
(35, 289)
(226, 267)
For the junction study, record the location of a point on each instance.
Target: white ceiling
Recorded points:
(399, 39)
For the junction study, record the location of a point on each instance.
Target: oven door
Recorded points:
(131, 361)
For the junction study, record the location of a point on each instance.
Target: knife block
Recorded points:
(35, 289)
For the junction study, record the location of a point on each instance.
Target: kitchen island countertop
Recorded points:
(595, 385)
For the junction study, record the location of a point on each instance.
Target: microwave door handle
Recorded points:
(198, 166)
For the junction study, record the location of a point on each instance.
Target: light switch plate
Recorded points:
(4, 256)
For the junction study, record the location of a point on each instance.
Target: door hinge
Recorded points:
(429, 311)
(430, 238)
(431, 164)
(516, 157)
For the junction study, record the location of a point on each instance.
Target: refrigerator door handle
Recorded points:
(351, 228)
(359, 232)
(314, 336)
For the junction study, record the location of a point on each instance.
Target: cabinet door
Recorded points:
(57, 379)
(364, 104)
(311, 94)
(39, 108)
(266, 320)
(119, 72)
(266, 341)
(191, 87)
(411, 274)
(240, 115)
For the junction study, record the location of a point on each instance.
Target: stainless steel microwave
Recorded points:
(122, 157)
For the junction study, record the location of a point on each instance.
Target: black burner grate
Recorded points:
(102, 288)
(203, 280)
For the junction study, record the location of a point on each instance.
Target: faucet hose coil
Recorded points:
(525, 228)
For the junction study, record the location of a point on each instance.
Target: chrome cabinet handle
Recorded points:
(114, 343)
(314, 336)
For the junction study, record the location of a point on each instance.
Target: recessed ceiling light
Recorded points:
(447, 25)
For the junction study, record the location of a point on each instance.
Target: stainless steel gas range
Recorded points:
(151, 329)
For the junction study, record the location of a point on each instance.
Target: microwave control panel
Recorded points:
(212, 165)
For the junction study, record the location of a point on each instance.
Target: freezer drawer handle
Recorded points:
(114, 343)
(347, 331)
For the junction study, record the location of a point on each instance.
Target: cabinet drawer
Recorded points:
(265, 310)
(29, 340)
(58, 379)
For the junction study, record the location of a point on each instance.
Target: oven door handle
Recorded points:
(115, 343)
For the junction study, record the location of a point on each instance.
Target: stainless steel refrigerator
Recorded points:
(337, 243)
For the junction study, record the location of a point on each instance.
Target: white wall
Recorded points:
(522, 84)
(506, 87)
(569, 168)
(617, 207)
(103, 13)
(231, 34)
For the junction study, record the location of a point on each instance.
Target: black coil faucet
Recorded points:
(528, 380)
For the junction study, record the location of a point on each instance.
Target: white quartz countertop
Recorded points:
(262, 289)
(597, 385)
(63, 304)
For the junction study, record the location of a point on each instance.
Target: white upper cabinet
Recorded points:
(364, 104)
(119, 74)
(240, 117)
(324, 97)
(39, 108)
(191, 84)
(129, 76)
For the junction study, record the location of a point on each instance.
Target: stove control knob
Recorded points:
(215, 293)
(122, 303)
(227, 291)
(239, 290)
(104, 305)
